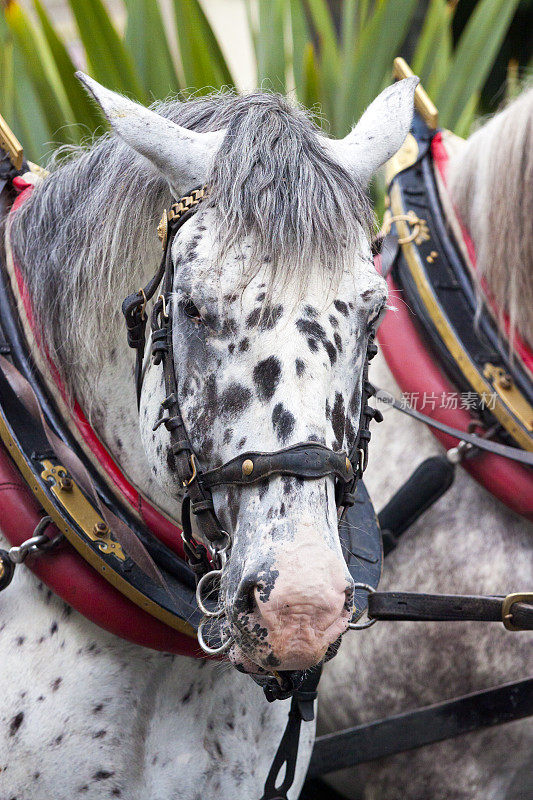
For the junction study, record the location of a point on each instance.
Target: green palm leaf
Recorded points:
(144, 27)
(370, 62)
(108, 58)
(40, 69)
(473, 57)
(84, 111)
(28, 121)
(433, 48)
(203, 62)
(270, 54)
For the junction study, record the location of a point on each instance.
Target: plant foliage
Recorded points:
(296, 46)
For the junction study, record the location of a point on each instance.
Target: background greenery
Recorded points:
(336, 53)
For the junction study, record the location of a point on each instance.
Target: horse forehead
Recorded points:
(194, 254)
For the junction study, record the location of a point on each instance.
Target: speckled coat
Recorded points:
(86, 714)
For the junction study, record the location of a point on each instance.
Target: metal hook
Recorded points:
(145, 301)
(164, 305)
(38, 542)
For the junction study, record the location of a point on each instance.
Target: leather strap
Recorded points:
(414, 729)
(302, 709)
(446, 607)
(305, 460)
(482, 444)
(77, 471)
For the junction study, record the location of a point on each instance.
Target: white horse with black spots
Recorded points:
(274, 298)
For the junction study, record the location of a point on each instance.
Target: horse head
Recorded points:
(274, 298)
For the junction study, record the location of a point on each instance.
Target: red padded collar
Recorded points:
(155, 521)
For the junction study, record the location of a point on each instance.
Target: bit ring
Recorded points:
(359, 626)
(212, 651)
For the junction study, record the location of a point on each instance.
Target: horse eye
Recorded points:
(191, 311)
(376, 316)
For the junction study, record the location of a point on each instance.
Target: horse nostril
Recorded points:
(245, 599)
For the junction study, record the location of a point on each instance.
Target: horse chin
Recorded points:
(242, 663)
(246, 665)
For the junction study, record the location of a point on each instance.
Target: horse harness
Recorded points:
(306, 460)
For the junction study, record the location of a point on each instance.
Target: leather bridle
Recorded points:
(308, 460)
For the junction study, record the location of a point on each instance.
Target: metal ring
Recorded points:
(209, 576)
(411, 218)
(359, 626)
(212, 651)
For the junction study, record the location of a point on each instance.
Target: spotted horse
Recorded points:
(250, 396)
(273, 298)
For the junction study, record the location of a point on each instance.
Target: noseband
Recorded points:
(306, 460)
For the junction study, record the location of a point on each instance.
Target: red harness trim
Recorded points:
(65, 572)
(419, 374)
(166, 531)
(441, 159)
(75, 581)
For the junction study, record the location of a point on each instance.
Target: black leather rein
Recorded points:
(307, 460)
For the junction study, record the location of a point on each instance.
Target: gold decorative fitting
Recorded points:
(425, 107)
(469, 369)
(177, 210)
(162, 229)
(10, 143)
(405, 157)
(79, 509)
(511, 396)
(2, 568)
(507, 605)
(348, 465)
(74, 502)
(432, 256)
(419, 234)
(247, 467)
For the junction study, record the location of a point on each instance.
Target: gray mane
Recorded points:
(491, 183)
(86, 237)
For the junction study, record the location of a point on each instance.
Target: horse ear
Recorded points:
(379, 133)
(182, 156)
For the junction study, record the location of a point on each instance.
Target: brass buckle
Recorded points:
(508, 603)
(164, 304)
(145, 301)
(194, 472)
